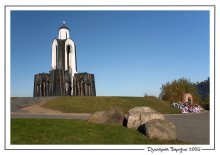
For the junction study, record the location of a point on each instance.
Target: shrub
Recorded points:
(173, 91)
(204, 92)
(205, 103)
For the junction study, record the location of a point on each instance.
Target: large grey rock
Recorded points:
(161, 129)
(112, 116)
(141, 110)
(140, 115)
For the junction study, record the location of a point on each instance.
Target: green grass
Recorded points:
(93, 104)
(60, 131)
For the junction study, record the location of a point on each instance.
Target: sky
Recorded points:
(131, 53)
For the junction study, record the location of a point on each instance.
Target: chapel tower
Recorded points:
(64, 51)
(63, 78)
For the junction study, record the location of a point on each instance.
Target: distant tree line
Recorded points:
(204, 92)
(173, 91)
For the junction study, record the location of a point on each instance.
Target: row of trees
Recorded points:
(203, 89)
(173, 91)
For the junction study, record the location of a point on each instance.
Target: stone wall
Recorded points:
(41, 84)
(84, 84)
(60, 83)
(187, 97)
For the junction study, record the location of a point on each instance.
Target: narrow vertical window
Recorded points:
(68, 51)
(56, 55)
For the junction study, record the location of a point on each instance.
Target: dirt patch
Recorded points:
(36, 108)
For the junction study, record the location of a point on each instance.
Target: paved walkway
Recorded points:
(192, 127)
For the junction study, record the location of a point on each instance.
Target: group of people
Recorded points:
(187, 107)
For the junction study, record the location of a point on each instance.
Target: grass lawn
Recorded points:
(61, 131)
(92, 104)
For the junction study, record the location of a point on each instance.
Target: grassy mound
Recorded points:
(93, 104)
(59, 131)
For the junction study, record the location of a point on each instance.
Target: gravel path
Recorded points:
(30, 107)
(17, 103)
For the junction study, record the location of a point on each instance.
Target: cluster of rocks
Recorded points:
(144, 119)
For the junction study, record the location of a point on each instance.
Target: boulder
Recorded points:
(141, 110)
(112, 116)
(97, 117)
(140, 115)
(161, 129)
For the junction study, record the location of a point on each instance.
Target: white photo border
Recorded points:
(7, 25)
